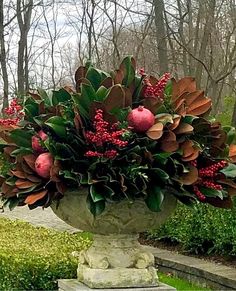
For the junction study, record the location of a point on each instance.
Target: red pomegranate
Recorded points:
(43, 165)
(36, 145)
(141, 119)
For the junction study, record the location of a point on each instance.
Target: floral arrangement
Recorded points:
(121, 135)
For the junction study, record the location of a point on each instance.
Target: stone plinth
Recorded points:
(75, 285)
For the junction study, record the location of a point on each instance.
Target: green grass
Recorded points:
(33, 258)
(180, 284)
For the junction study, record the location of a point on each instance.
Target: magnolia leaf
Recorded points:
(21, 137)
(175, 124)
(101, 93)
(190, 177)
(21, 151)
(118, 76)
(156, 131)
(60, 96)
(200, 107)
(226, 203)
(80, 73)
(128, 67)
(164, 118)
(115, 98)
(230, 171)
(31, 199)
(162, 157)
(96, 192)
(155, 198)
(107, 82)
(30, 161)
(19, 174)
(95, 208)
(11, 203)
(161, 174)
(169, 146)
(193, 97)
(186, 84)
(58, 124)
(23, 184)
(232, 152)
(208, 192)
(192, 157)
(184, 128)
(94, 77)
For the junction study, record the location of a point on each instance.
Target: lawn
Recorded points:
(33, 258)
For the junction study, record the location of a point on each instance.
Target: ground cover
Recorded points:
(33, 258)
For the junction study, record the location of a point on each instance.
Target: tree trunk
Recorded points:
(161, 35)
(233, 120)
(204, 41)
(24, 20)
(3, 59)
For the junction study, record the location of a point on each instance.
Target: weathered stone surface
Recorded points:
(204, 273)
(125, 217)
(75, 285)
(116, 261)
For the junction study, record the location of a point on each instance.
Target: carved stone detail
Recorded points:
(115, 259)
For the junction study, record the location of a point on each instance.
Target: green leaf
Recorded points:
(60, 96)
(43, 94)
(230, 171)
(58, 124)
(168, 89)
(11, 203)
(208, 192)
(155, 198)
(21, 151)
(68, 175)
(161, 174)
(189, 119)
(101, 93)
(96, 193)
(95, 208)
(128, 67)
(94, 77)
(162, 157)
(21, 138)
(231, 134)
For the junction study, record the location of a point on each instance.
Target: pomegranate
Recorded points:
(141, 119)
(36, 144)
(43, 165)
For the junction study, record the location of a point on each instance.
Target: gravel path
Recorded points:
(38, 217)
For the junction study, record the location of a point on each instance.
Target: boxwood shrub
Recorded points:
(204, 230)
(34, 258)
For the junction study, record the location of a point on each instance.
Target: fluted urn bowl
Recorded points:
(115, 259)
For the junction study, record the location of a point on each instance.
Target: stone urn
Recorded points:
(115, 259)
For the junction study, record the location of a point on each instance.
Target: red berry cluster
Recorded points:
(207, 176)
(103, 137)
(14, 111)
(212, 170)
(199, 194)
(156, 90)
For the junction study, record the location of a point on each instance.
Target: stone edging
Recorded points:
(202, 272)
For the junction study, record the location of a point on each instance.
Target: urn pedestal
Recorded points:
(115, 259)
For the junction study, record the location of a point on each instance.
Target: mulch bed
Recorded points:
(176, 247)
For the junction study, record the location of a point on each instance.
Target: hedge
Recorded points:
(204, 230)
(34, 258)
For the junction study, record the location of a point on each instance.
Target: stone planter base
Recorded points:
(75, 285)
(116, 261)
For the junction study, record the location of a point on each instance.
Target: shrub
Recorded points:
(34, 258)
(201, 230)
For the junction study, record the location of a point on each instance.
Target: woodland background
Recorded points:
(42, 42)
